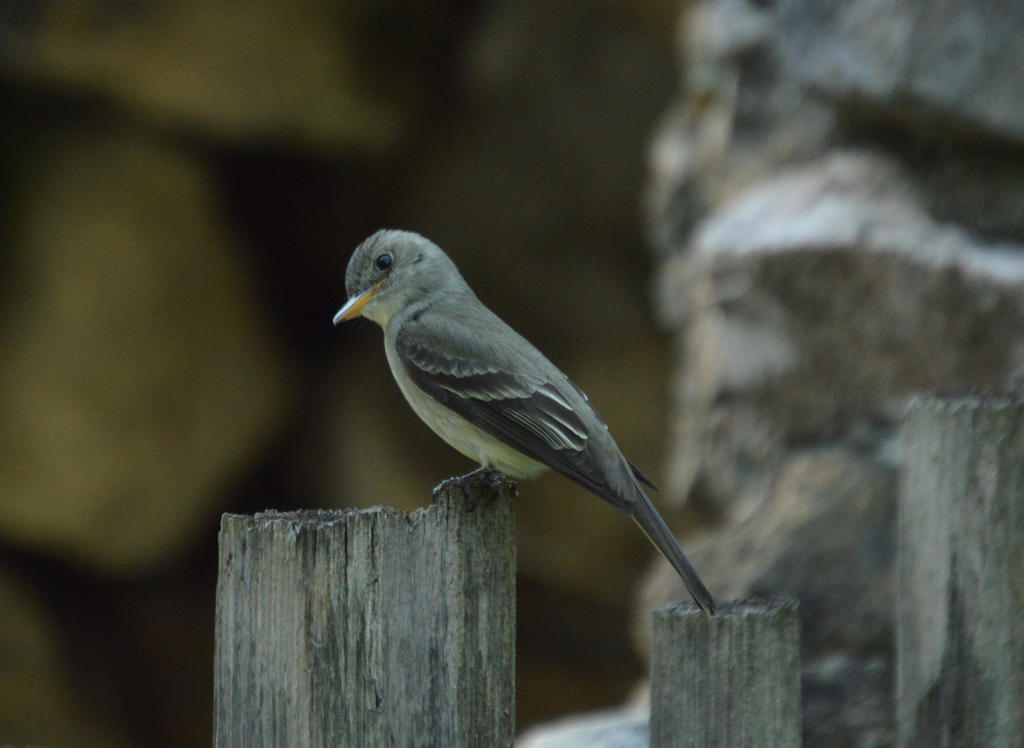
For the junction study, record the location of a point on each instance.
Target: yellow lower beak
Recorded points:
(354, 306)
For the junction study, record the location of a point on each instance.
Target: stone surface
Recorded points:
(138, 376)
(770, 85)
(268, 71)
(614, 728)
(939, 64)
(814, 306)
(848, 701)
(732, 121)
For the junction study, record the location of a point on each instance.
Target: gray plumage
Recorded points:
(485, 389)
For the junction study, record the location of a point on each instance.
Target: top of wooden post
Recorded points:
(733, 608)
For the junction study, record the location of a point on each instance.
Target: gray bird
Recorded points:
(485, 389)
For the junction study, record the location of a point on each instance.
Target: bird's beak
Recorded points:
(354, 306)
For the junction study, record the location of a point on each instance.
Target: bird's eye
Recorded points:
(384, 261)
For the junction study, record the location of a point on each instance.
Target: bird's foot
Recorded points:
(475, 485)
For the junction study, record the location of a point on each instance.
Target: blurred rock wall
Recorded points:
(836, 198)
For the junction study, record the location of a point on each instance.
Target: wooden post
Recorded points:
(732, 679)
(960, 611)
(361, 628)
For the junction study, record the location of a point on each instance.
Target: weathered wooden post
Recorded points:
(731, 680)
(361, 628)
(960, 612)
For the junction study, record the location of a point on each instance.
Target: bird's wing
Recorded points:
(521, 409)
(528, 411)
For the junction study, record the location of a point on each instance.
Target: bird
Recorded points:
(486, 390)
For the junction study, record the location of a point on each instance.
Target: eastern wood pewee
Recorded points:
(485, 389)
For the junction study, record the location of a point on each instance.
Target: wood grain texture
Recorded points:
(732, 679)
(373, 627)
(960, 646)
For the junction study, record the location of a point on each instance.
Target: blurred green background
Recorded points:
(182, 185)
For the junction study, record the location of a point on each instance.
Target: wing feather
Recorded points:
(522, 410)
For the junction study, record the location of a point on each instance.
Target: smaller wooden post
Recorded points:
(732, 679)
(362, 628)
(960, 607)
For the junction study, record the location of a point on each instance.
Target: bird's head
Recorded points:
(393, 270)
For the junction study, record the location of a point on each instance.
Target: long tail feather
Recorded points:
(654, 527)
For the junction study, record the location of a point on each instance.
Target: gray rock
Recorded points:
(814, 306)
(938, 84)
(937, 64)
(732, 122)
(848, 701)
(612, 729)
